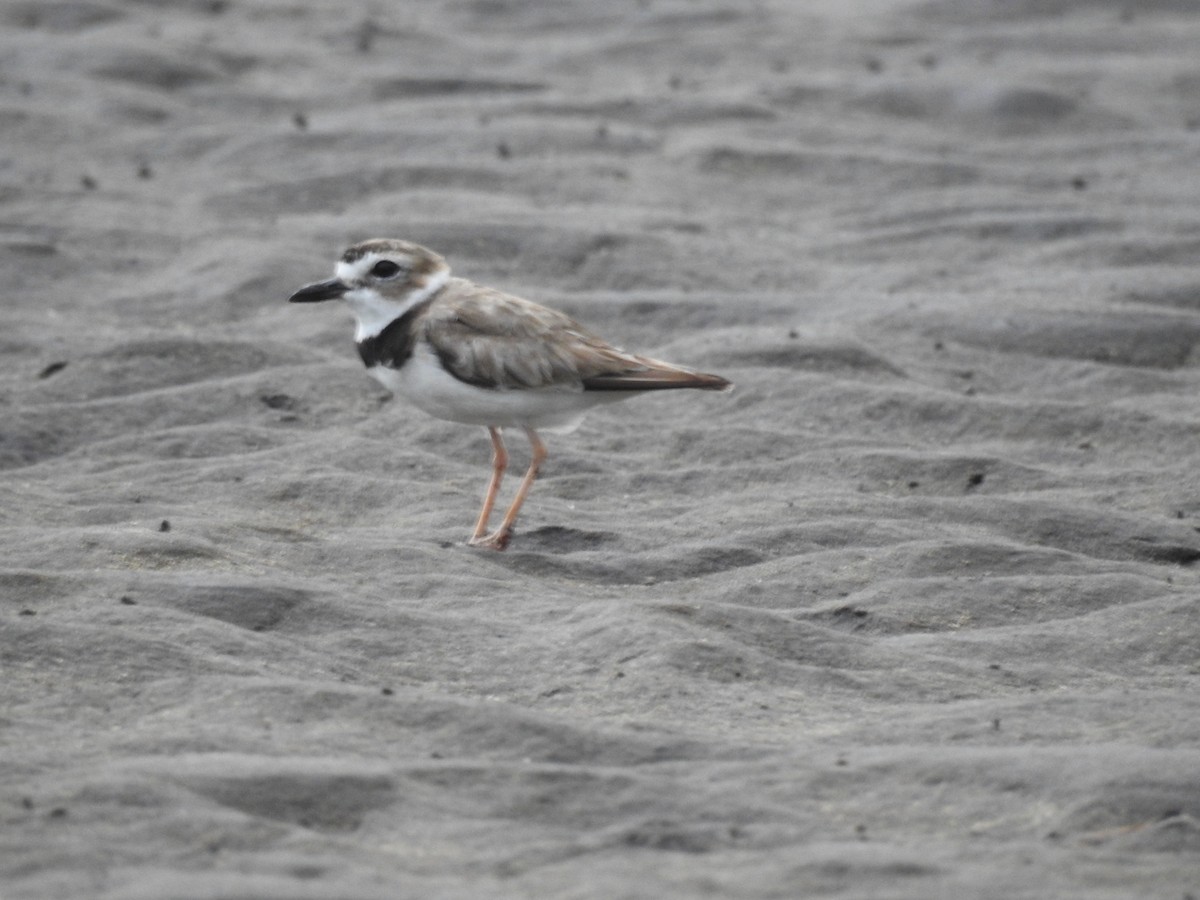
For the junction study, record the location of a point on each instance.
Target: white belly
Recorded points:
(432, 389)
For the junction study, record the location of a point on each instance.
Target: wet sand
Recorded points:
(912, 613)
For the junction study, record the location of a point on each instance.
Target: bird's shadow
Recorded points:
(560, 539)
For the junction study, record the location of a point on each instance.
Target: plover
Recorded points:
(468, 353)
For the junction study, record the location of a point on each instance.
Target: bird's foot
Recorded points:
(497, 540)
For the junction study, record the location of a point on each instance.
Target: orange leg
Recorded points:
(499, 464)
(499, 538)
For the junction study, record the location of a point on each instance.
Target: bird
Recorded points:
(472, 354)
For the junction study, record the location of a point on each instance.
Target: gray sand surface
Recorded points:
(911, 614)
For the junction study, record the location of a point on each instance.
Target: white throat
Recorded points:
(374, 312)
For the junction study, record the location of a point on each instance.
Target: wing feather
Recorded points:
(494, 340)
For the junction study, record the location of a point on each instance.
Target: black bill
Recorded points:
(323, 290)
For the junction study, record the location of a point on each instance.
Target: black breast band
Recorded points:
(393, 346)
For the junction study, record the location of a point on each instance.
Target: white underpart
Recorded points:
(432, 389)
(372, 310)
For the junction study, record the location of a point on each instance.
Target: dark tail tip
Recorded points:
(706, 382)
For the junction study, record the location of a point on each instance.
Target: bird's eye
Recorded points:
(385, 268)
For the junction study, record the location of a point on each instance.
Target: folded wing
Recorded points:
(494, 340)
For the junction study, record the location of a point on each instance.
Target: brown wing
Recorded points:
(494, 340)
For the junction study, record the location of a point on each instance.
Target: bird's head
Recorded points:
(380, 280)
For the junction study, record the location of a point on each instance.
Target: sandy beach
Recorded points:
(912, 613)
